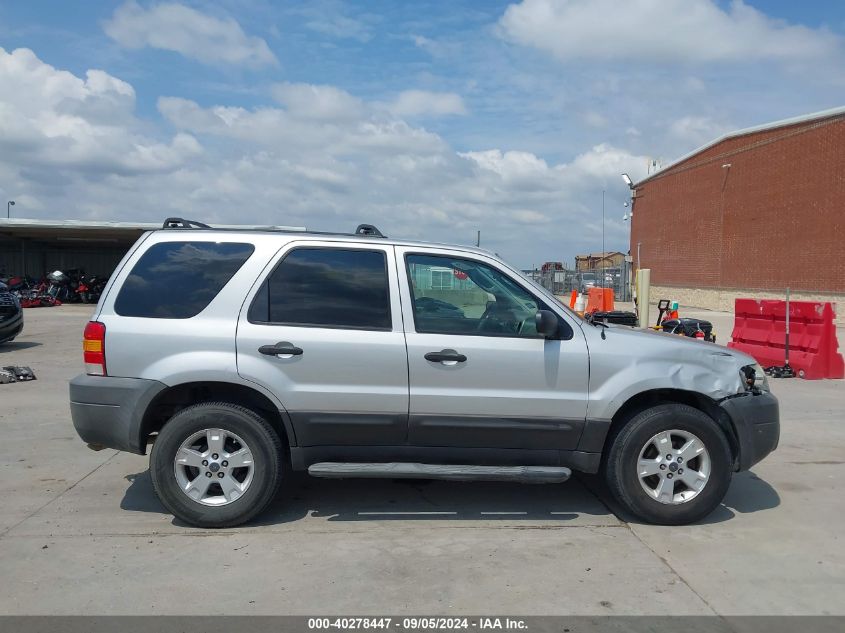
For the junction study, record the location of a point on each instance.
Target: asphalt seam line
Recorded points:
(658, 556)
(58, 496)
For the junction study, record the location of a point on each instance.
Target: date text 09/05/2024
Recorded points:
(416, 623)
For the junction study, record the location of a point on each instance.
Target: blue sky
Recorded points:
(429, 119)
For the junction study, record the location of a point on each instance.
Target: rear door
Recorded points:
(480, 375)
(323, 331)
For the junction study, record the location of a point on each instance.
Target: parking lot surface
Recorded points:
(82, 532)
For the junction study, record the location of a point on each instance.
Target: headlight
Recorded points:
(754, 378)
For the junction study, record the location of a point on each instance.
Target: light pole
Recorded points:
(626, 218)
(9, 204)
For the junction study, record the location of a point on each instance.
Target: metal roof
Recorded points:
(805, 118)
(97, 231)
(599, 255)
(142, 226)
(83, 230)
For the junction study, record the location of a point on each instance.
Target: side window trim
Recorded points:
(122, 303)
(264, 286)
(541, 305)
(567, 333)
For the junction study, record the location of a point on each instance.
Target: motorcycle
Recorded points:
(65, 286)
(90, 288)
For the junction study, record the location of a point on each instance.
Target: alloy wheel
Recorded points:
(673, 467)
(214, 467)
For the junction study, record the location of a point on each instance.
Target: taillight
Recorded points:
(94, 348)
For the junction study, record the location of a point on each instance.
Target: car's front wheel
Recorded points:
(670, 464)
(216, 464)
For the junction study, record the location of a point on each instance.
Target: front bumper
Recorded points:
(756, 420)
(108, 411)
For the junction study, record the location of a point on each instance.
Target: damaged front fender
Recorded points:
(630, 362)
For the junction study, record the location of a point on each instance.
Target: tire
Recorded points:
(242, 492)
(652, 497)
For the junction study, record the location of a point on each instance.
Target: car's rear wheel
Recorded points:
(670, 464)
(216, 464)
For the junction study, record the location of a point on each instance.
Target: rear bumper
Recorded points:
(756, 419)
(11, 326)
(108, 411)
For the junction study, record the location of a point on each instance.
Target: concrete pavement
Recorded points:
(83, 533)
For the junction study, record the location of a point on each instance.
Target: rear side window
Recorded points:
(326, 287)
(177, 280)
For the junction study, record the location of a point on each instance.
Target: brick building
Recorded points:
(751, 213)
(592, 261)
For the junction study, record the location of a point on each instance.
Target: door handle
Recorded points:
(282, 348)
(446, 356)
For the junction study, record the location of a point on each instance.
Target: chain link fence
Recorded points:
(563, 282)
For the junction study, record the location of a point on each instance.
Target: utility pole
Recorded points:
(602, 242)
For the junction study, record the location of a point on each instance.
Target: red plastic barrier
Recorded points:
(760, 330)
(599, 299)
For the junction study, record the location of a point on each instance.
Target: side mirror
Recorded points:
(547, 323)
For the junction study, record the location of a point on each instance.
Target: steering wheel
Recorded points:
(501, 320)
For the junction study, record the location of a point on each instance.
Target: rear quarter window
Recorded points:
(177, 280)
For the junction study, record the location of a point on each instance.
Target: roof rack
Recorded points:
(180, 223)
(362, 230)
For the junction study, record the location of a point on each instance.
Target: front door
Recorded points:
(480, 374)
(323, 332)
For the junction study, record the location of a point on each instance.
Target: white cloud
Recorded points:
(425, 103)
(73, 147)
(341, 27)
(693, 131)
(595, 119)
(318, 102)
(662, 31)
(314, 126)
(50, 118)
(175, 27)
(435, 48)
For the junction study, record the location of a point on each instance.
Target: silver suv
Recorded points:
(241, 354)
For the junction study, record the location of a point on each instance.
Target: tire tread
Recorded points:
(651, 511)
(275, 465)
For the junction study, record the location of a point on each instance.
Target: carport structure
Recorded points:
(36, 247)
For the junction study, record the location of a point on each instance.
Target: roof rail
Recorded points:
(363, 230)
(180, 223)
(368, 229)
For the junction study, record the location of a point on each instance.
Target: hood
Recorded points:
(680, 342)
(664, 360)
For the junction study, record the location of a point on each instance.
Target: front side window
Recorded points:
(326, 287)
(177, 280)
(461, 296)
